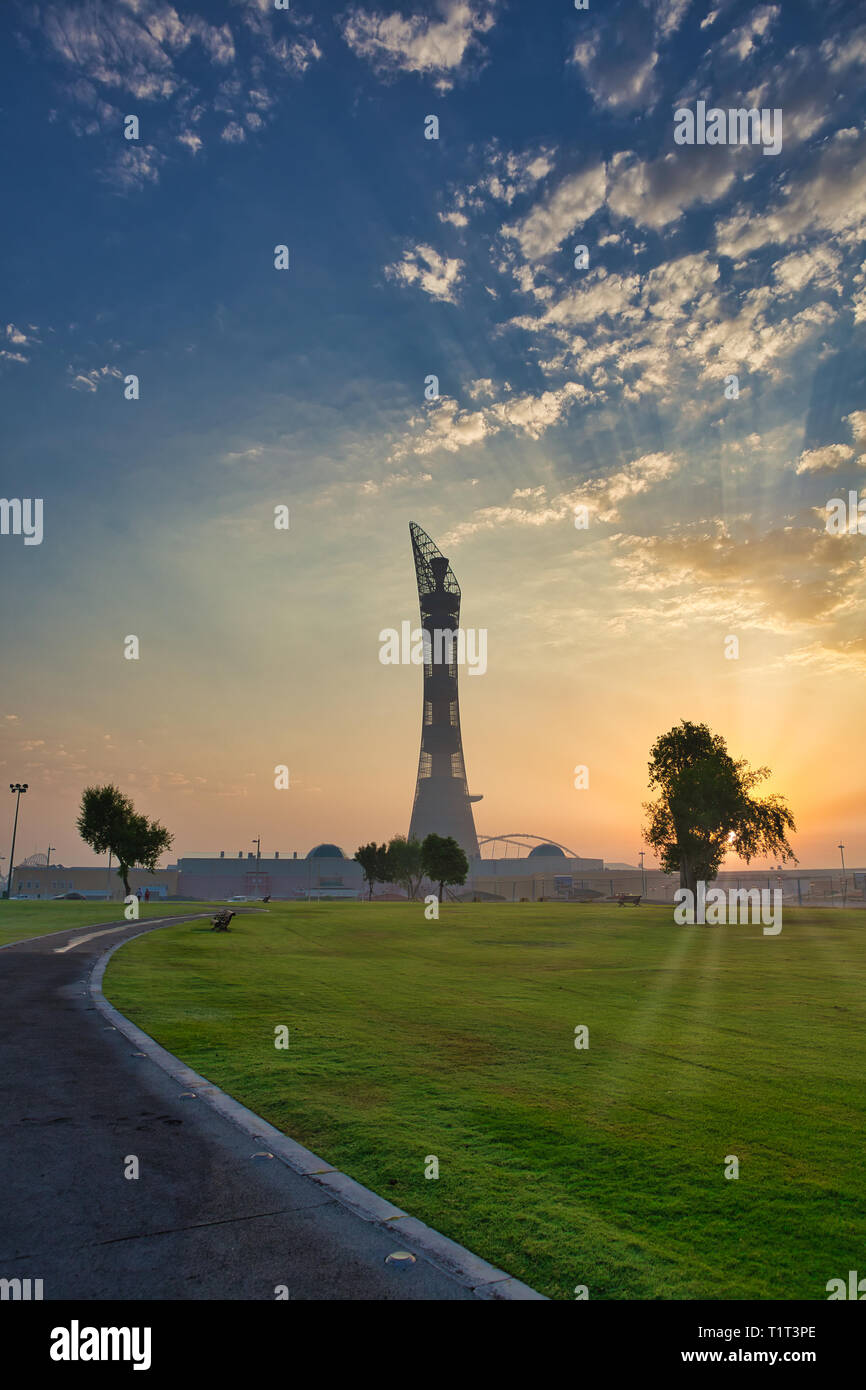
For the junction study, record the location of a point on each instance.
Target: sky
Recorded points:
(565, 381)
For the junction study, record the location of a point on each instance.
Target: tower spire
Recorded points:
(442, 802)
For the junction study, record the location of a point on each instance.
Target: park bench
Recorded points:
(221, 919)
(623, 898)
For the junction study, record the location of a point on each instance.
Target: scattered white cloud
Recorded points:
(436, 275)
(90, 381)
(419, 43)
(192, 141)
(828, 196)
(570, 205)
(741, 42)
(655, 193)
(824, 460)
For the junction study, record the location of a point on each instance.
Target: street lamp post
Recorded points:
(258, 844)
(16, 788)
(841, 849)
(642, 872)
(48, 860)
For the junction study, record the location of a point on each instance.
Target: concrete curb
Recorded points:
(485, 1280)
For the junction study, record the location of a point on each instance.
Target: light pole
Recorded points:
(16, 788)
(258, 844)
(841, 849)
(642, 872)
(48, 860)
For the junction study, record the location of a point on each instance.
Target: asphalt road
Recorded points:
(204, 1220)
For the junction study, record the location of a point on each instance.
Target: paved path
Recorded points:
(204, 1220)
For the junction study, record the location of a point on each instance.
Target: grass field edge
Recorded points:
(483, 1278)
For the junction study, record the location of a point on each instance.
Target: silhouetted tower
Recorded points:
(442, 802)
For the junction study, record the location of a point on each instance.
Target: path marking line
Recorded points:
(121, 926)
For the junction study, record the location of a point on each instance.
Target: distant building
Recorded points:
(547, 871)
(324, 872)
(98, 884)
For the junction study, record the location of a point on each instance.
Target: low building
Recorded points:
(545, 872)
(324, 872)
(98, 884)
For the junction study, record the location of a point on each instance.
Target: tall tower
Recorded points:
(442, 803)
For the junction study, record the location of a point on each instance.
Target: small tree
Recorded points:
(405, 863)
(373, 859)
(704, 810)
(444, 861)
(109, 823)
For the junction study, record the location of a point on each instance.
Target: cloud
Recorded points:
(816, 266)
(657, 192)
(371, 488)
(297, 55)
(599, 294)
(134, 167)
(857, 421)
(420, 43)
(601, 496)
(90, 381)
(234, 134)
(618, 61)
(129, 45)
(828, 458)
(18, 336)
(604, 495)
(507, 175)
(571, 204)
(741, 42)
(786, 581)
(436, 275)
(669, 15)
(843, 51)
(448, 427)
(829, 196)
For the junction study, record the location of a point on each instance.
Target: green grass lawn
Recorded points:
(602, 1167)
(18, 921)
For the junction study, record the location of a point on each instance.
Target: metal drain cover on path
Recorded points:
(400, 1259)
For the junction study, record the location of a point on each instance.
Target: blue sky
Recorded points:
(559, 387)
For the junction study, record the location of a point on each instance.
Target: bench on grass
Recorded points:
(221, 919)
(622, 898)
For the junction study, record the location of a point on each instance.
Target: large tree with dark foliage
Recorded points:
(405, 863)
(109, 822)
(373, 859)
(444, 861)
(704, 808)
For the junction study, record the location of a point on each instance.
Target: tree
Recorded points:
(704, 809)
(444, 861)
(109, 823)
(373, 859)
(405, 863)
